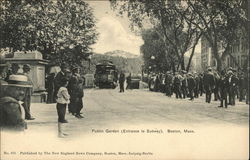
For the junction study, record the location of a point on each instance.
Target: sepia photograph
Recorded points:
(124, 79)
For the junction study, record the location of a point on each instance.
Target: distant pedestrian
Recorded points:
(197, 85)
(209, 83)
(191, 85)
(177, 85)
(233, 83)
(223, 89)
(121, 81)
(184, 85)
(168, 84)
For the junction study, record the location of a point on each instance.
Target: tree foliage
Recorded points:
(221, 22)
(167, 18)
(182, 23)
(62, 30)
(154, 52)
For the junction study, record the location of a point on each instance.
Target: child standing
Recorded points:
(62, 101)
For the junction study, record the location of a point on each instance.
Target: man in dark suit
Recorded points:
(223, 89)
(177, 85)
(58, 79)
(121, 81)
(168, 84)
(233, 83)
(191, 85)
(209, 83)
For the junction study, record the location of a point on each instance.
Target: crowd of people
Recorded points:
(226, 86)
(16, 88)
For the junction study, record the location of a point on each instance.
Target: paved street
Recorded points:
(164, 119)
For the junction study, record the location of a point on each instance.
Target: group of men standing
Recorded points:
(75, 88)
(225, 86)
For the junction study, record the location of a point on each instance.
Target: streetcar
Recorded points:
(106, 75)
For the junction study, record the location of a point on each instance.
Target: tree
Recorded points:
(220, 22)
(167, 16)
(61, 30)
(154, 47)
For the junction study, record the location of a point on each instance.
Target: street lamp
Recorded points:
(89, 59)
(153, 59)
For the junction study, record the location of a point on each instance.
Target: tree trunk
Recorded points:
(190, 59)
(182, 63)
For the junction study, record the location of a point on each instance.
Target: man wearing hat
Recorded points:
(233, 83)
(168, 83)
(177, 85)
(209, 83)
(191, 85)
(58, 79)
(28, 93)
(223, 89)
(11, 112)
(75, 93)
(184, 84)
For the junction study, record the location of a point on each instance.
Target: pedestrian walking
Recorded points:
(191, 85)
(216, 86)
(197, 85)
(209, 83)
(177, 85)
(223, 89)
(201, 86)
(121, 81)
(233, 82)
(168, 84)
(184, 85)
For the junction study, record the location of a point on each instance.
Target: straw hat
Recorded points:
(19, 81)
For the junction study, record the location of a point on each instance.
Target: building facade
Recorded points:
(237, 57)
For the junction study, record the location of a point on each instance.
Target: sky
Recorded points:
(114, 31)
